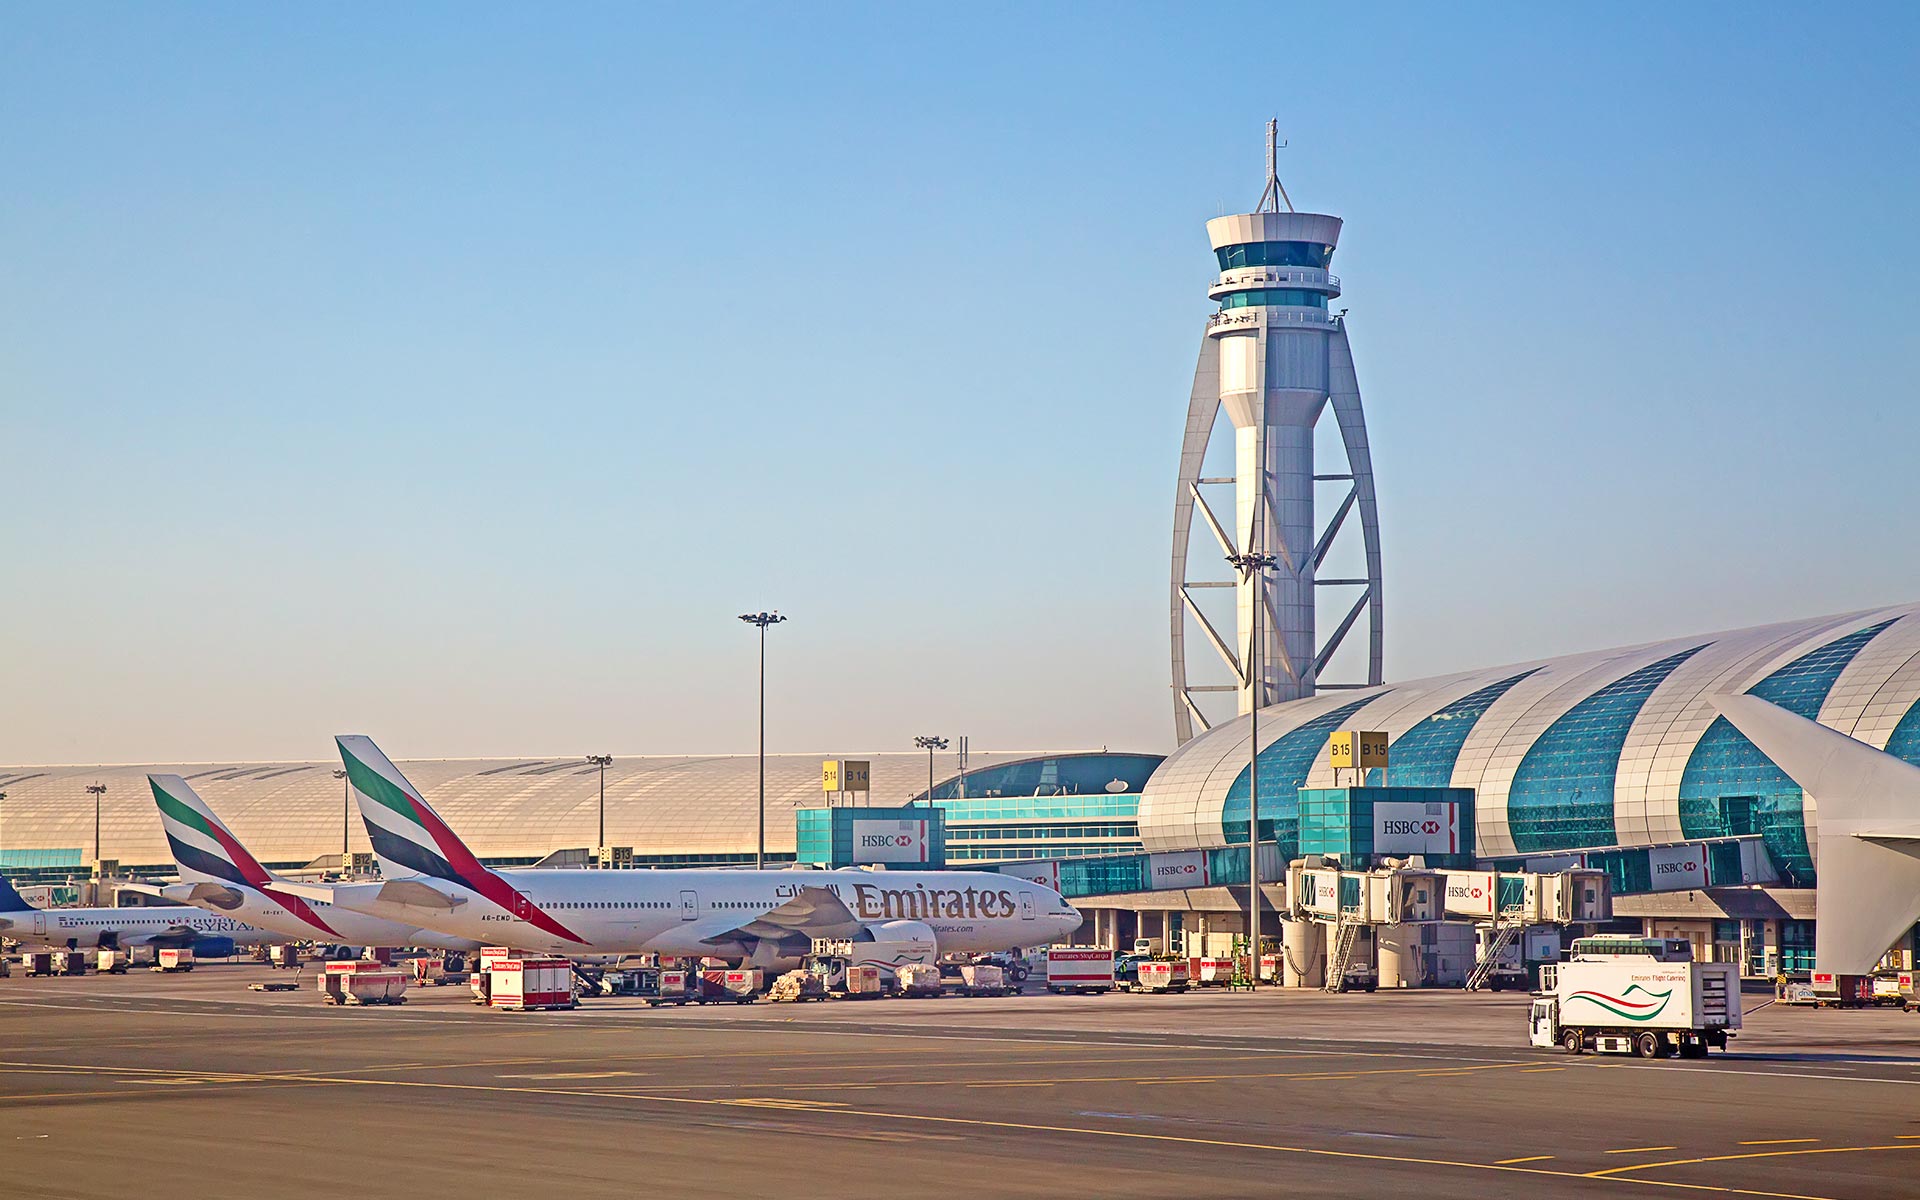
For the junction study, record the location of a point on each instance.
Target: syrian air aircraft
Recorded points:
(218, 874)
(209, 935)
(766, 918)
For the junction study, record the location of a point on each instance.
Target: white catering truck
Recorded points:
(1630, 995)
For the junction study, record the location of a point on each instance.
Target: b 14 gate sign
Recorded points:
(1401, 827)
(889, 841)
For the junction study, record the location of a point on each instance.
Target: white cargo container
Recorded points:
(1643, 996)
(1163, 974)
(1079, 969)
(363, 983)
(112, 962)
(170, 959)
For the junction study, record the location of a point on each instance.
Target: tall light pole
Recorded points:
(3, 825)
(346, 818)
(98, 790)
(1251, 564)
(603, 761)
(930, 744)
(762, 619)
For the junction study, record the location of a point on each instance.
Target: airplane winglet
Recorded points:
(1868, 849)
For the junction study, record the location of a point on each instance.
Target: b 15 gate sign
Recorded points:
(1676, 868)
(889, 841)
(1178, 869)
(1400, 827)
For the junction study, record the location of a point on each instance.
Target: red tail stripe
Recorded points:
(477, 877)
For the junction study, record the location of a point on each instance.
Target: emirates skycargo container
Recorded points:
(1079, 969)
(1643, 996)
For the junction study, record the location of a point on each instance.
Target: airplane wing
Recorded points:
(814, 913)
(392, 891)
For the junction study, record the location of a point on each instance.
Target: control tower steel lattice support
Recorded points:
(1275, 358)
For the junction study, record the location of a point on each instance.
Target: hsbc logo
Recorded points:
(870, 841)
(1181, 869)
(1676, 868)
(1427, 827)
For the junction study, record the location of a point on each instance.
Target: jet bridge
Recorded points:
(1410, 926)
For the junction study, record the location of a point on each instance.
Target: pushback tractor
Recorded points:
(1629, 995)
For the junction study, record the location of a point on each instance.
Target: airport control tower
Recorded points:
(1274, 357)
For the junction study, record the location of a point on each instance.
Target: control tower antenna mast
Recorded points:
(1275, 194)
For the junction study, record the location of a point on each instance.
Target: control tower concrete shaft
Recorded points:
(1274, 358)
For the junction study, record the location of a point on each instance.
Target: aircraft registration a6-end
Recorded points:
(218, 874)
(766, 918)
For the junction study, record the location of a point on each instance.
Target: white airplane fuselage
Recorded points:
(81, 928)
(697, 913)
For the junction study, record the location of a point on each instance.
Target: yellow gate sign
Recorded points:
(1365, 750)
(846, 775)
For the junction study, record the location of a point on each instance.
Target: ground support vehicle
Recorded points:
(1079, 969)
(1841, 991)
(283, 956)
(665, 986)
(797, 987)
(69, 962)
(919, 981)
(979, 979)
(169, 960)
(728, 986)
(1642, 996)
(112, 962)
(1162, 975)
(527, 984)
(36, 962)
(363, 983)
(1212, 972)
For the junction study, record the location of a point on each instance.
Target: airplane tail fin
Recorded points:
(10, 900)
(408, 837)
(204, 849)
(1868, 853)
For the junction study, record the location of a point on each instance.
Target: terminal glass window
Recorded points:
(1731, 788)
(1274, 254)
(1096, 775)
(1562, 795)
(1284, 765)
(1424, 755)
(1298, 297)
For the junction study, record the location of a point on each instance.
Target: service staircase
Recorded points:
(1506, 929)
(1346, 934)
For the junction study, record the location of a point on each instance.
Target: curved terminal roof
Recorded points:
(1603, 749)
(511, 808)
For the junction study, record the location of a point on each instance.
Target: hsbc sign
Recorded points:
(1471, 893)
(1677, 868)
(1181, 869)
(889, 841)
(1416, 828)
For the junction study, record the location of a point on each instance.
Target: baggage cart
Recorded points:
(363, 983)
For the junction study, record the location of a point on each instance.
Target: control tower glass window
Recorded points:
(1274, 254)
(1259, 296)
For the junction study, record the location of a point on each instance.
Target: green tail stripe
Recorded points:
(181, 813)
(379, 788)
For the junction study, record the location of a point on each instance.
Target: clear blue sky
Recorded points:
(455, 374)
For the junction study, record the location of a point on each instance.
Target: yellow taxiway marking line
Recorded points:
(1907, 1135)
(1507, 1162)
(1015, 1083)
(580, 1075)
(1615, 1172)
(1043, 1062)
(1639, 1149)
(691, 1087)
(1779, 1142)
(1087, 1131)
(1538, 1070)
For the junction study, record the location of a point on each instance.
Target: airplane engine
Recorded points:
(213, 947)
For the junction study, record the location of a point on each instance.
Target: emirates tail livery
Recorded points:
(218, 874)
(766, 918)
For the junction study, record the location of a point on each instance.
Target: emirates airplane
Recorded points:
(764, 918)
(218, 874)
(209, 935)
